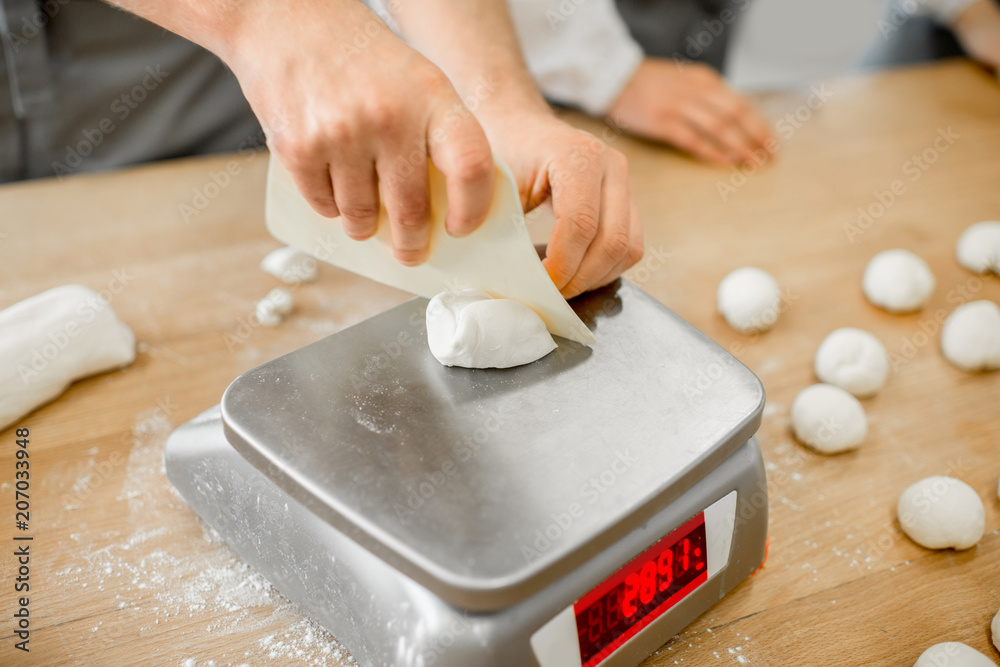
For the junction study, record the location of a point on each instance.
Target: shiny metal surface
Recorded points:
(486, 485)
(383, 617)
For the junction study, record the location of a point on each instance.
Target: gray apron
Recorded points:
(87, 87)
(683, 29)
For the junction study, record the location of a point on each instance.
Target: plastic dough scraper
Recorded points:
(577, 511)
(498, 258)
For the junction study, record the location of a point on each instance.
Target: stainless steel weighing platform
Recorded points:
(577, 511)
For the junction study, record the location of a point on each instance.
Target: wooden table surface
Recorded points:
(124, 572)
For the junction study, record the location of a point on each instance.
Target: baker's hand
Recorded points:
(689, 106)
(597, 234)
(978, 30)
(347, 106)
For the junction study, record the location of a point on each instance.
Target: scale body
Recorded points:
(575, 512)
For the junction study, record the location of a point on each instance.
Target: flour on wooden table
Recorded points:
(165, 580)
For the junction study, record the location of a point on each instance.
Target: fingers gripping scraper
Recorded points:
(498, 258)
(310, 466)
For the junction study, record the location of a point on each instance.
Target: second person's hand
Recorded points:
(689, 106)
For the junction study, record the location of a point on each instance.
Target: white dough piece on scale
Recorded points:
(469, 328)
(498, 258)
(53, 338)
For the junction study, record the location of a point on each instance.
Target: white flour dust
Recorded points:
(164, 572)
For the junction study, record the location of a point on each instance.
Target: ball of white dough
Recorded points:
(970, 337)
(471, 329)
(941, 512)
(290, 266)
(853, 360)
(952, 654)
(995, 630)
(828, 419)
(898, 281)
(978, 248)
(272, 309)
(749, 299)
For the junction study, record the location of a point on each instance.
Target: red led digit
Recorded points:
(647, 589)
(614, 607)
(595, 623)
(631, 591)
(665, 566)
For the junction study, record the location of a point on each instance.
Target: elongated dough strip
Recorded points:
(52, 339)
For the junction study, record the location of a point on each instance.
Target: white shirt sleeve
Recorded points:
(580, 53)
(945, 11)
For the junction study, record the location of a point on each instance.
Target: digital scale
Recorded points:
(578, 511)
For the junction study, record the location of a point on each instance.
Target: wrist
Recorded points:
(228, 28)
(245, 32)
(500, 109)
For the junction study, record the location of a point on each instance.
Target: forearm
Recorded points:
(474, 42)
(238, 30)
(212, 24)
